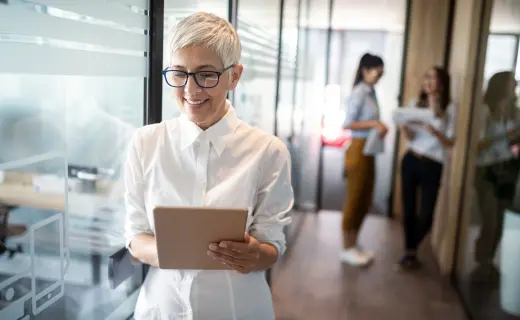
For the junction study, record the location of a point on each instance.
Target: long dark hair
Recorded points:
(368, 61)
(444, 87)
(498, 89)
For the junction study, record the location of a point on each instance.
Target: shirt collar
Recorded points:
(218, 134)
(367, 87)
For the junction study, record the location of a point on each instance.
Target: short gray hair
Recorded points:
(210, 31)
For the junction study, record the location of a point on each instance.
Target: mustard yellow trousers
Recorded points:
(360, 171)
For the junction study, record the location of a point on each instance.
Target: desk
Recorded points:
(17, 191)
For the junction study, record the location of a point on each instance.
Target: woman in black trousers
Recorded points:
(421, 167)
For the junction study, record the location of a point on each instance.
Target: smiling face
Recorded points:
(203, 106)
(431, 82)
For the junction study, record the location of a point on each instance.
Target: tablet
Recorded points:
(183, 235)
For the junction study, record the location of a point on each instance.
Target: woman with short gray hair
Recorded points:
(207, 157)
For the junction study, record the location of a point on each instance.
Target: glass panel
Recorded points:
(63, 136)
(489, 252)
(518, 60)
(377, 28)
(175, 10)
(500, 54)
(310, 99)
(297, 118)
(102, 10)
(255, 95)
(288, 69)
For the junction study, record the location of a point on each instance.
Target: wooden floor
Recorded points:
(311, 283)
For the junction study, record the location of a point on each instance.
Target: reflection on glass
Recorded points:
(66, 118)
(286, 99)
(255, 94)
(88, 125)
(489, 273)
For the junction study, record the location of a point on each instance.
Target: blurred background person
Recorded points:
(362, 116)
(421, 167)
(497, 167)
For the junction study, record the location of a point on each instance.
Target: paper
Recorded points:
(373, 144)
(403, 115)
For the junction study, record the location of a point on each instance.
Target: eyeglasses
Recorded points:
(204, 79)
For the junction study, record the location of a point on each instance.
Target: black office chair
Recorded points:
(9, 230)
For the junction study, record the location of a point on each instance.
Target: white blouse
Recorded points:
(499, 150)
(428, 145)
(230, 164)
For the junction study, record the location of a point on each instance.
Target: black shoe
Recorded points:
(408, 262)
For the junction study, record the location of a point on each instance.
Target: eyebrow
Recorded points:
(204, 66)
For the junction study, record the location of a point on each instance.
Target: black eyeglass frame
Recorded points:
(188, 74)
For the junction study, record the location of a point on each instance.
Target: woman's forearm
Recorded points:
(363, 125)
(268, 256)
(445, 141)
(144, 249)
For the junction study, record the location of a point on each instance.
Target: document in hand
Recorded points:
(403, 115)
(374, 144)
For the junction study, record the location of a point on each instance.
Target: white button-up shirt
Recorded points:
(231, 164)
(428, 145)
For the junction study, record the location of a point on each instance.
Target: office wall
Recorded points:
(427, 41)
(505, 16)
(469, 40)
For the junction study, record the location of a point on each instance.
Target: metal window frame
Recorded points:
(296, 73)
(319, 188)
(153, 82)
(153, 109)
(233, 19)
(278, 65)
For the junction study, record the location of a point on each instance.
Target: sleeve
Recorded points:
(274, 198)
(451, 122)
(353, 109)
(136, 220)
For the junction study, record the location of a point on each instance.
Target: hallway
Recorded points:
(311, 284)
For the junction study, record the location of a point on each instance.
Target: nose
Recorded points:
(191, 86)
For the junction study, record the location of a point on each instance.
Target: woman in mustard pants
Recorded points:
(362, 116)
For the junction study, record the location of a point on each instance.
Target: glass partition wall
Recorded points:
(488, 254)
(73, 79)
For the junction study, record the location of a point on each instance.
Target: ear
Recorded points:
(235, 75)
